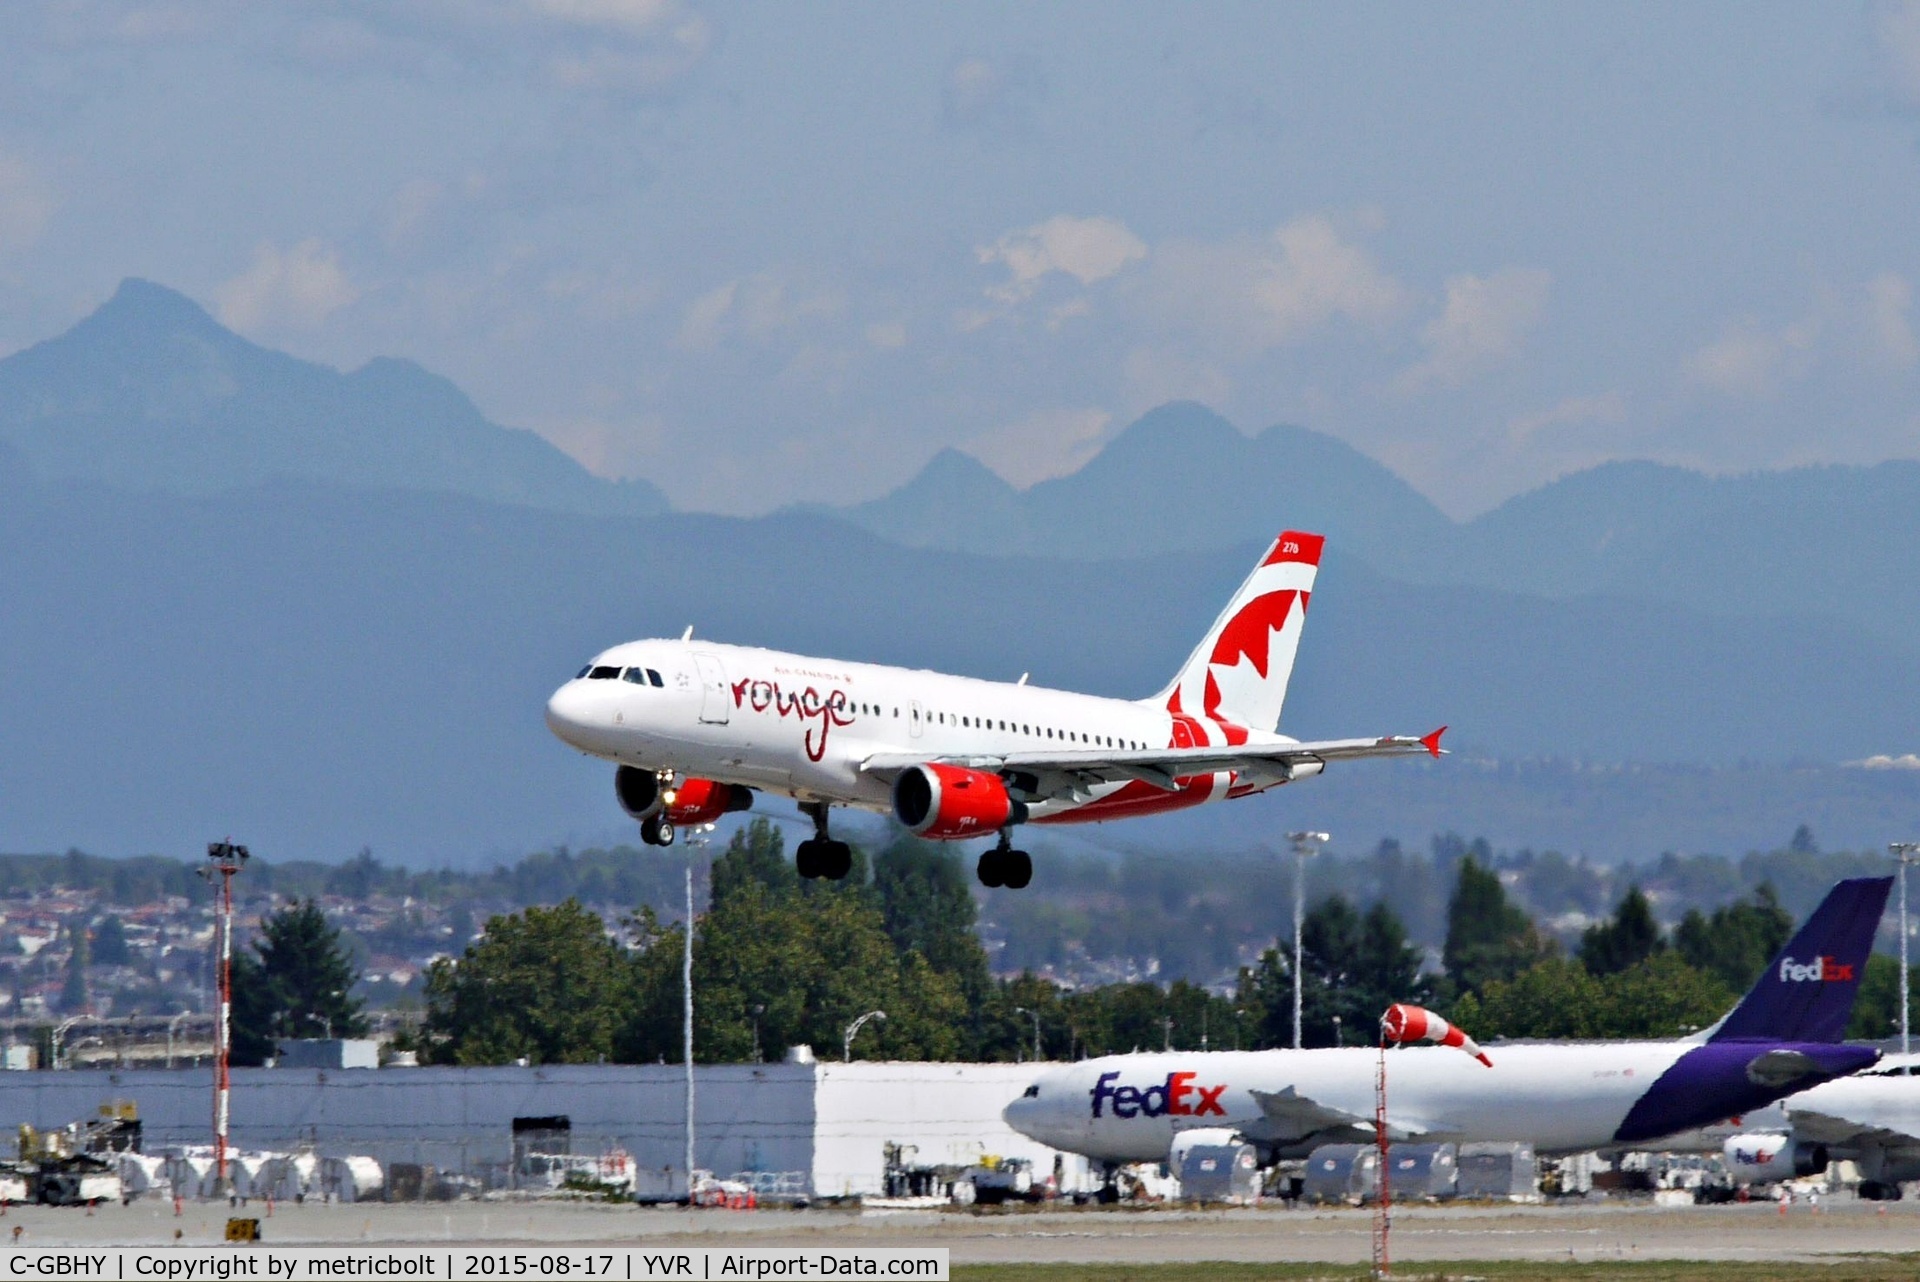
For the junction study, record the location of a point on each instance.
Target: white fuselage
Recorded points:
(1558, 1098)
(802, 726)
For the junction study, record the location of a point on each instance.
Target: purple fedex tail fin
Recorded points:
(1806, 994)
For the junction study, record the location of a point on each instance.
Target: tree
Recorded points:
(1738, 940)
(799, 965)
(1659, 997)
(1876, 1010)
(1488, 938)
(1353, 968)
(1627, 939)
(110, 943)
(311, 972)
(756, 855)
(547, 984)
(926, 905)
(254, 1037)
(73, 991)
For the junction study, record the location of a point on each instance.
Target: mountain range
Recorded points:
(151, 393)
(315, 649)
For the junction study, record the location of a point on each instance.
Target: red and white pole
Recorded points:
(223, 1028)
(1383, 1178)
(227, 860)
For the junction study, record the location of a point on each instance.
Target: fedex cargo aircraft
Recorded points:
(1783, 1037)
(696, 727)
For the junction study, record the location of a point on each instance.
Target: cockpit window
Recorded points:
(638, 676)
(653, 675)
(583, 672)
(1032, 1092)
(602, 672)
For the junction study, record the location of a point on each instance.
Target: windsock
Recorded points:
(1404, 1023)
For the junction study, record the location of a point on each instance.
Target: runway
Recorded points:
(1583, 1231)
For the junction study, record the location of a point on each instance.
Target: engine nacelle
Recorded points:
(950, 803)
(1205, 1137)
(638, 792)
(701, 801)
(1766, 1159)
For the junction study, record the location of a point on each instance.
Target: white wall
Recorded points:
(949, 1112)
(831, 1121)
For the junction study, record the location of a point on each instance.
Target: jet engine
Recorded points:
(638, 791)
(1765, 1159)
(949, 803)
(701, 801)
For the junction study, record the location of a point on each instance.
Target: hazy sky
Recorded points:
(764, 253)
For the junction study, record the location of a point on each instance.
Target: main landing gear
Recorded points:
(657, 830)
(1005, 866)
(820, 855)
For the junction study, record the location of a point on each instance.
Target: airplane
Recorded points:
(1871, 1119)
(696, 727)
(1783, 1037)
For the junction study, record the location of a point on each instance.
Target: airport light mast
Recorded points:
(1904, 851)
(225, 860)
(695, 842)
(1304, 844)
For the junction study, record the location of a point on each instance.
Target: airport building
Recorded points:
(828, 1129)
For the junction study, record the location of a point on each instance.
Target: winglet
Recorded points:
(1431, 742)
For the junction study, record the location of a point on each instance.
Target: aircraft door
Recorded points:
(713, 689)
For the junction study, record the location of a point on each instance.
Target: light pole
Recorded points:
(60, 1036)
(1304, 844)
(1904, 851)
(853, 1031)
(1022, 1010)
(696, 840)
(171, 1025)
(226, 860)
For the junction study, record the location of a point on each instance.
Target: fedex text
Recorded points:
(1178, 1096)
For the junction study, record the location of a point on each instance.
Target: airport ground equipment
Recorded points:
(1500, 1172)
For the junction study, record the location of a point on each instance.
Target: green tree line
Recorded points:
(778, 961)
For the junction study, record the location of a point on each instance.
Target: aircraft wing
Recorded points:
(1070, 774)
(1291, 1119)
(1838, 1132)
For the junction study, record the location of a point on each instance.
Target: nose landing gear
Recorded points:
(820, 855)
(1004, 866)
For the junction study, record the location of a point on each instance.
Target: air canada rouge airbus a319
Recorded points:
(695, 727)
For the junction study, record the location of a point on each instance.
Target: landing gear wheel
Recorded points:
(836, 860)
(806, 859)
(990, 870)
(657, 831)
(1016, 869)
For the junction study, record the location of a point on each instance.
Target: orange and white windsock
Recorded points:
(1404, 1023)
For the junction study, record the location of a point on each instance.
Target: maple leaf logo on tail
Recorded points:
(1239, 672)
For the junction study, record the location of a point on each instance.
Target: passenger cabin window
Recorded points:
(603, 673)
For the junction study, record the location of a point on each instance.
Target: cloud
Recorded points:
(1274, 290)
(1087, 249)
(988, 97)
(1155, 376)
(888, 335)
(299, 289)
(1752, 362)
(1046, 444)
(1608, 407)
(26, 203)
(1482, 324)
(1882, 761)
(755, 307)
(1889, 296)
